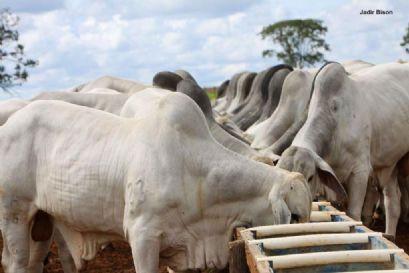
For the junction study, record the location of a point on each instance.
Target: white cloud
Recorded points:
(80, 40)
(36, 6)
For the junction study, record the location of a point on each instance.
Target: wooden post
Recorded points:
(237, 261)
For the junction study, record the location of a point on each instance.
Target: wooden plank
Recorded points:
(252, 253)
(237, 259)
(315, 240)
(327, 227)
(321, 203)
(346, 231)
(316, 205)
(334, 257)
(403, 257)
(324, 216)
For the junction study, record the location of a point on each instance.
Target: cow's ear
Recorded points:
(329, 179)
(166, 80)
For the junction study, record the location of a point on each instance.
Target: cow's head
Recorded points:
(291, 199)
(314, 169)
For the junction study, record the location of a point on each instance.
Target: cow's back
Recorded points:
(68, 160)
(385, 91)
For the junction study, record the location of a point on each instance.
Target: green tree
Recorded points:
(302, 41)
(405, 42)
(13, 62)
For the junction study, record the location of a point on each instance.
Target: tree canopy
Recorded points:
(302, 41)
(405, 42)
(13, 62)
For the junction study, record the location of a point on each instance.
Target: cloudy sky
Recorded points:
(78, 40)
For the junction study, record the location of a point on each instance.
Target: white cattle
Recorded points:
(103, 91)
(224, 136)
(111, 101)
(170, 80)
(136, 107)
(110, 82)
(100, 98)
(277, 132)
(221, 93)
(257, 99)
(104, 99)
(160, 182)
(289, 112)
(242, 90)
(274, 94)
(185, 75)
(274, 91)
(230, 94)
(355, 66)
(8, 107)
(358, 124)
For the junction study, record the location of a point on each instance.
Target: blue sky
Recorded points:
(80, 40)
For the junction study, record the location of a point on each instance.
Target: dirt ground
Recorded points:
(117, 258)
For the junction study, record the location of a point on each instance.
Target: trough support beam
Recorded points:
(238, 261)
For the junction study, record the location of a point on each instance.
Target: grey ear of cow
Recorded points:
(166, 80)
(328, 177)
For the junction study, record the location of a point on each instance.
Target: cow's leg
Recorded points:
(357, 184)
(64, 253)
(371, 199)
(38, 252)
(404, 183)
(5, 256)
(41, 234)
(145, 253)
(16, 237)
(145, 244)
(380, 207)
(391, 192)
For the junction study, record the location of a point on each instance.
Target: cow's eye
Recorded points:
(310, 179)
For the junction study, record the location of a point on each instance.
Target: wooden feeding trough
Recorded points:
(331, 242)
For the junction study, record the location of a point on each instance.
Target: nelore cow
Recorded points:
(112, 101)
(288, 115)
(223, 133)
(107, 100)
(258, 98)
(276, 133)
(357, 128)
(103, 99)
(9, 107)
(185, 75)
(221, 93)
(110, 82)
(106, 93)
(159, 181)
(243, 89)
(230, 93)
